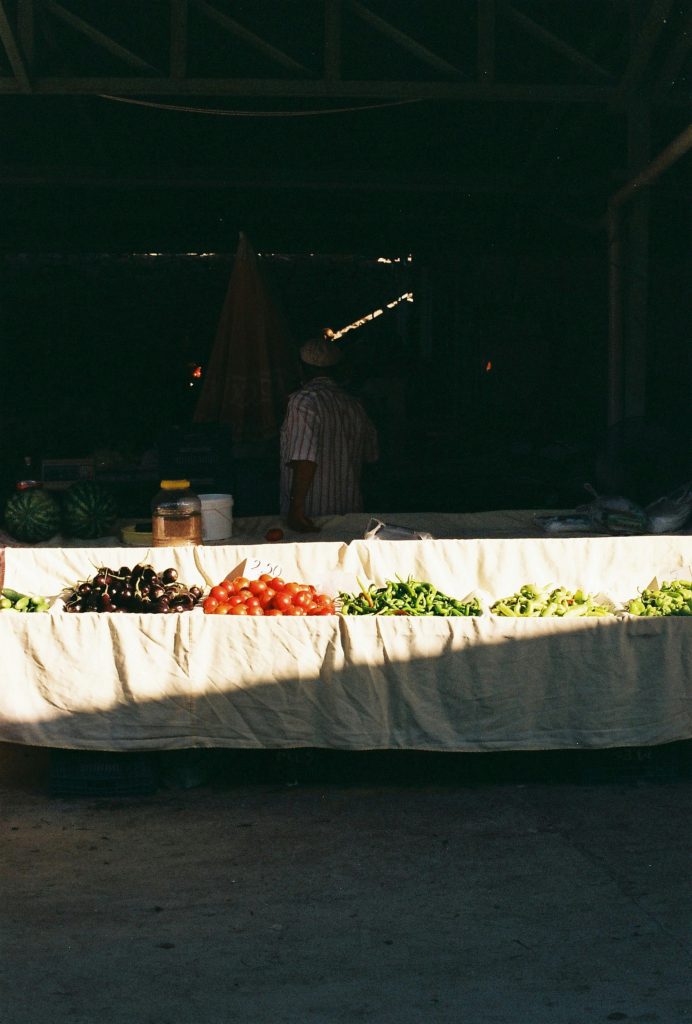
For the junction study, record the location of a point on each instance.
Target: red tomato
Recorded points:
(257, 587)
(282, 601)
(293, 610)
(238, 609)
(325, 610)
(220, 592)
(266, 577)
(273, 611)
(292, 588)
(223, 609)
(210, 604)
(252, 602)
(267, 597)
(301, 599)
(235, 599)
(312, 608)
(324, 600)
(240, 582)
(254, 609)
(277, 583)
(274, 535)
(245, 594)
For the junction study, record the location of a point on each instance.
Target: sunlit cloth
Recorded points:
(131, 682)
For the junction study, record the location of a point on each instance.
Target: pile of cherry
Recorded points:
(141, 589)
(268, 595)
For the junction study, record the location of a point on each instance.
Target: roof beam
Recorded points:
(486, 41)
(665, 159)
(238, 30)
(12, 50)
(676, 57)
(96, 36)
(553, 42)
(195, 178)
(641, 51)
(178, 39)
(319, 88)
(402, 40)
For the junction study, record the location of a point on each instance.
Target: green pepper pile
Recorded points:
(12, 600)
(540, 602)
(673, 598)
(405, 597)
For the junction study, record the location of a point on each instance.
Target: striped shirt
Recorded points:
(328, 426)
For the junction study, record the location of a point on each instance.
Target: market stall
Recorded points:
(138, 682)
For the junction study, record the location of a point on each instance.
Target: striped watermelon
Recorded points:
(32, 516)
(88, 510)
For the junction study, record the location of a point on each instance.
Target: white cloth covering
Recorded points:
(131, 682)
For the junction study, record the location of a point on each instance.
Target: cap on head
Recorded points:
(320, 352)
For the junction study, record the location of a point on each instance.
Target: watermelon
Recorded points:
(88, 510)
(32, 516)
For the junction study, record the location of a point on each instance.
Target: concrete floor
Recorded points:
(388, 891)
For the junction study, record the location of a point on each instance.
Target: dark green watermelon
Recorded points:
(32, 516)
(89, 510)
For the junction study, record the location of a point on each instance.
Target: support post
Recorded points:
(637, 264)
(615, 341)
(486, 41)
(636, 292)
(178, 39)
(332, 40)
(25, 31)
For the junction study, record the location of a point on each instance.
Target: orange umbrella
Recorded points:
(251, 369)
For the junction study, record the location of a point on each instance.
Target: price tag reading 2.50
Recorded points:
(256, 567)
(253, 568)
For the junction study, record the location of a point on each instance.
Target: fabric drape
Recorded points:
(251, 369)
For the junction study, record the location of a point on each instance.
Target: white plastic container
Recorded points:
(217, 517)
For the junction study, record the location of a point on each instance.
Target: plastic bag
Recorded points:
(377, 530)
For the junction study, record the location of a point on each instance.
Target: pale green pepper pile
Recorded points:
(674, 598)
(540, 602)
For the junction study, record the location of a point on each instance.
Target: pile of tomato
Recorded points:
(268, 595)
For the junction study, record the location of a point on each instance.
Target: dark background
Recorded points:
(499, 205)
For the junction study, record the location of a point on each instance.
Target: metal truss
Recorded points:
(157, 48)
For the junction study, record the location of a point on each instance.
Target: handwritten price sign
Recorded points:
(256, 567)
(253, 568)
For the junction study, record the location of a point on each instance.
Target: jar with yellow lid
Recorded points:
(176, 515)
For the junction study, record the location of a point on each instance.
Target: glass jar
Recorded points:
(176, 515)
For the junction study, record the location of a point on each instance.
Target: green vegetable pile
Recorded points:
(12, 600)
(405, 597)
(673, 598)
(541, 602)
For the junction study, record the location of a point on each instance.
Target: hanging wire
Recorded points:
(255, 113)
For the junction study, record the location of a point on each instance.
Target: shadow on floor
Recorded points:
(74, 773)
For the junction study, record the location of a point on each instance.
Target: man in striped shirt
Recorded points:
(326, 437)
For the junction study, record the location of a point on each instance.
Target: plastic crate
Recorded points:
(75, 773)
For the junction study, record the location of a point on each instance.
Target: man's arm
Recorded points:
(303, 475)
